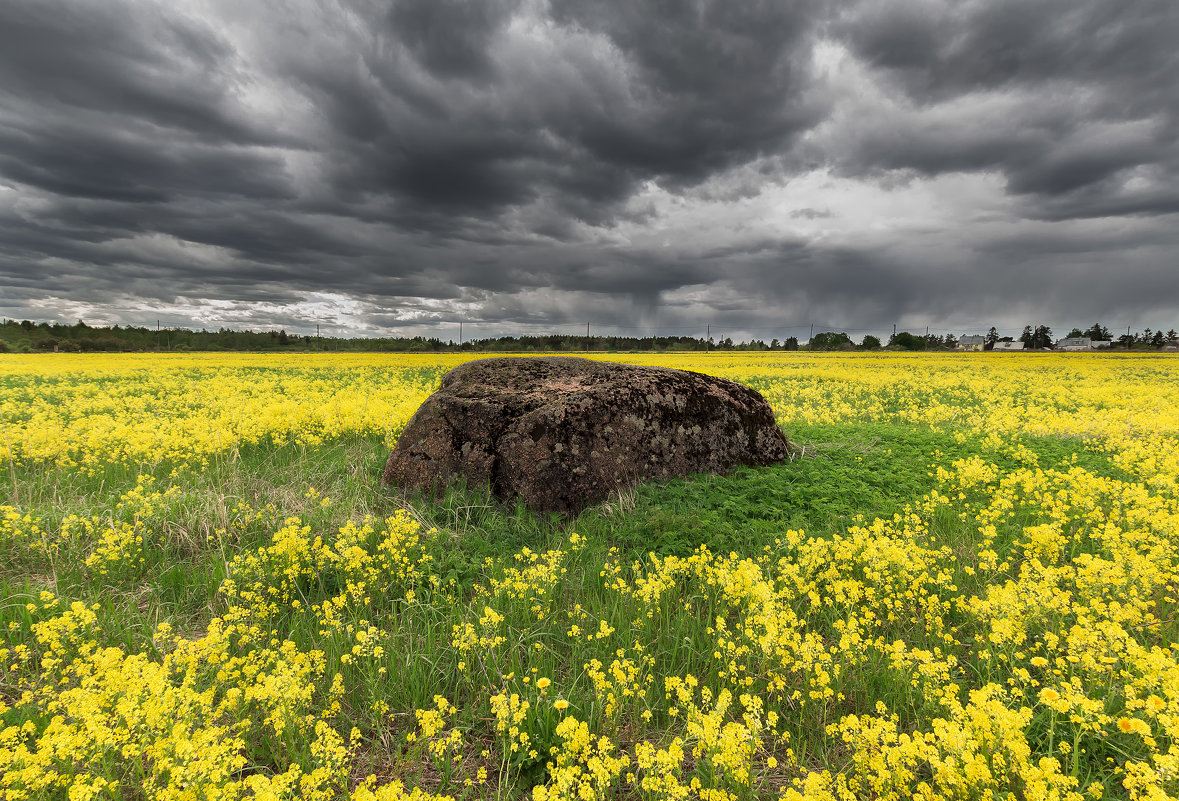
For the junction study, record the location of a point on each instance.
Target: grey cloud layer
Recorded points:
(523, 160)
(1074, 105)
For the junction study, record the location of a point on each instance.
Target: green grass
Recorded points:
(839, 475)
(836, 474)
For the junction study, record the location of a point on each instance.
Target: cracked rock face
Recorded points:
(563, 433)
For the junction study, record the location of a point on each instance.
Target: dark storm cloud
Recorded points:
(940, 50)
(77, 161)
(450, 38)
(1080, 97)
(540, 162)
(719, 82)
(120, 75)
(118, 59)
(453, 108)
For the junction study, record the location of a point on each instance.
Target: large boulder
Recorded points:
(563, 433)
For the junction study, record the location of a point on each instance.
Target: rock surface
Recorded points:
(563, 433)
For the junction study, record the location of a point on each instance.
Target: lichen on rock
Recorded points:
(562, 433)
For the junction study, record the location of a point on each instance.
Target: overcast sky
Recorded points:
(383, 168)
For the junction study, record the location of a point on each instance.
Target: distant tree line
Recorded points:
(29, 337)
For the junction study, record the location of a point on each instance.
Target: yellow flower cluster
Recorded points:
(624, 683)
(188, 724)
(511, 713)
(190, 720)
(444, 747)
(583, 767)
(84, 411)
(300, 570)
(113, 542)
(1010, 633)
(532, 579)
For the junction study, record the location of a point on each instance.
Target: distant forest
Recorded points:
(29, 337)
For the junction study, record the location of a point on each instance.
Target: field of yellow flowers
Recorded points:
(963, 585)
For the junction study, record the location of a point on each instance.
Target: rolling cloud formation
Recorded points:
(531, 165)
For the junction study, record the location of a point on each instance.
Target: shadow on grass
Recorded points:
(836, 474)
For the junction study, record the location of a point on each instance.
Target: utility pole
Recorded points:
(157, 334)
(460, 333)
(812, 334)
(587, 340)
(707, 337)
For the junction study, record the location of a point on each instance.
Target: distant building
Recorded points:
(1074, 343)
(1008, 346)
(972, 342)
(1101, 343)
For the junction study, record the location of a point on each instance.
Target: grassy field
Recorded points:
(963, 585)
